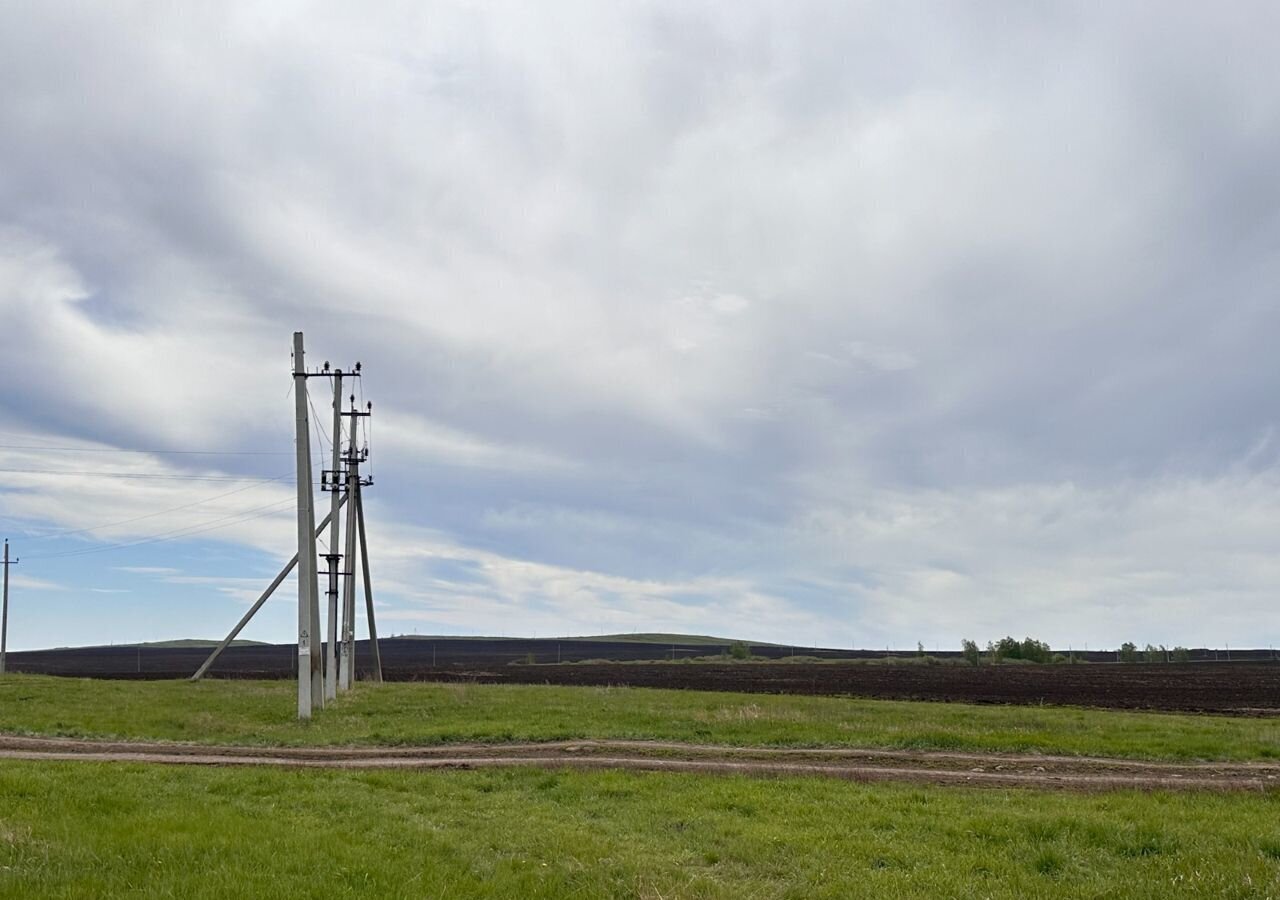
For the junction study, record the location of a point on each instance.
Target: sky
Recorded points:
(843, 324)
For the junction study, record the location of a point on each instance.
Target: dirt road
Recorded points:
(865, 765)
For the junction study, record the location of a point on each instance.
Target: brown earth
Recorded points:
(862, 765)
(1237, 687)
(1251, 689)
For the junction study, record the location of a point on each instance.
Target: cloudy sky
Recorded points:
(836, 323)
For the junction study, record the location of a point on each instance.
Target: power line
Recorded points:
(321, 433)
(223, 522)
(67, 533)
(143, 475)
(143, 450)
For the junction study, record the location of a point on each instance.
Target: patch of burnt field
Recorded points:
(1248, 686)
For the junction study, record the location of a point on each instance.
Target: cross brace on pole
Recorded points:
(368, 588)
(266, 595)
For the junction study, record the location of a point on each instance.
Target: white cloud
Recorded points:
(885, 359)
(827, 319)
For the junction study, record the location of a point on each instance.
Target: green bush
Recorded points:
(1027, 650)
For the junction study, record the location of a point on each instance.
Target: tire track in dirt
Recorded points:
(851, 764)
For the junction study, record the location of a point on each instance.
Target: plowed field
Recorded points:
(1239, 688)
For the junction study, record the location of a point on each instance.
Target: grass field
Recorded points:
(263, 713)
(88, 830)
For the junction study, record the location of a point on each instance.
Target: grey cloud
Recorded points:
(643, 287)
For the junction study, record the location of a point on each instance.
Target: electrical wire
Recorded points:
(321, 435)
(256, 512)
(138, 450)
(67, 533)
(142, 475)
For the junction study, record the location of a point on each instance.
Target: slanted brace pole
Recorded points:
(266, 595)
(368, 587)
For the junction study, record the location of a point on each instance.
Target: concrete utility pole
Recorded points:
(347, 661)
(322, 671)
(310, 669)
(335, 495)
(346, 672)
(4, 615)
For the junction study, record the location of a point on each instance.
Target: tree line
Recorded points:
(1031, 650)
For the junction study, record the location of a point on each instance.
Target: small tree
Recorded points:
(1008, 648)
(970, 650)
(1181, 655)
(739, 650)
(1129, 652)
(1035, 651)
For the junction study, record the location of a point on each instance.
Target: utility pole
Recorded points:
(347, 659)
(317, 664)
(330, 479)
(310, 668)
(4, 616)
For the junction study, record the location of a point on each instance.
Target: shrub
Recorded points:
(1129, 652)
(739, 650)
(1035, 651)
(1027, 650)
(1181, 654)
(970, 650)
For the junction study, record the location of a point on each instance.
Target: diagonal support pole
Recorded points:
(266, 595)
(368, 588)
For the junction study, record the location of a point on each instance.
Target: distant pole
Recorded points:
(310, 671)
(4, 615)
(335, 498)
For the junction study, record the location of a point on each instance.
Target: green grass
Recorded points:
(92, 830)
(262, 712)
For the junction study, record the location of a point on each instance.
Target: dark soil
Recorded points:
(1237, 687)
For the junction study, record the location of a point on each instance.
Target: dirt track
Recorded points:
(865, 765)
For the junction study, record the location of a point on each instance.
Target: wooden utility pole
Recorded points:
(310, 668)
(4, 615)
